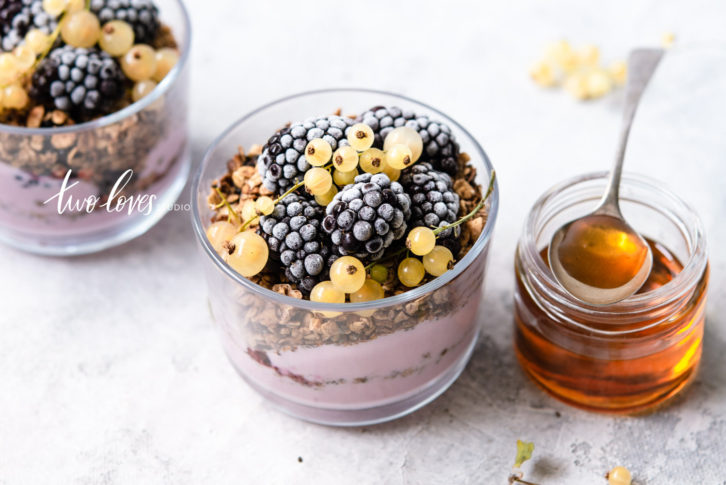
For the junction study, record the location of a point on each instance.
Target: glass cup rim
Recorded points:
(683, 281)
(402, 298)
(129, 110)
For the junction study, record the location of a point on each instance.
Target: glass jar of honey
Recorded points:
(629, 356)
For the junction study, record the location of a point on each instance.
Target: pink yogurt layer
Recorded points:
(367, 374)
(22, 208)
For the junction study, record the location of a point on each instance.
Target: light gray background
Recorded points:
(110, 369)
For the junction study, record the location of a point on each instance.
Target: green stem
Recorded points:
(474, 211)
(276, 201)
(231, 211)
(290, 191)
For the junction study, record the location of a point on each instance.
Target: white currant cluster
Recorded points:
(247, 252)
(578, 71)
(79, 27)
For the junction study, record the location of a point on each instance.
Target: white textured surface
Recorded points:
(110, 369)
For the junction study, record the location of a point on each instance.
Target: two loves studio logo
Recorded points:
(115, 202)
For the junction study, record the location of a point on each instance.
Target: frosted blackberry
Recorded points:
(283, 162)
(439, 144)
(433, 200)
(17, 17)
(142, 15)
(296, 241)
(365, 218)
(83, 82)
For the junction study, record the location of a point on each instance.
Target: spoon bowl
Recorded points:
(599, 258)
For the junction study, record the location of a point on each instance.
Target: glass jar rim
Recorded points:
(683, 282)
(435, 284)
(129, 110)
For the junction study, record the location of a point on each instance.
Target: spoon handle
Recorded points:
(641, 66)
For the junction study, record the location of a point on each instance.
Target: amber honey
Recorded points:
(625, 357)
(601, 251)
(611, 363)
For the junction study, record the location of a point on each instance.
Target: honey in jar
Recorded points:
(629, 356)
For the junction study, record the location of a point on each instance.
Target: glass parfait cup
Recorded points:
(141, 149)
(342, 364)
(630, 356)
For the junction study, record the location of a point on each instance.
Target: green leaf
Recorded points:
(524, 452)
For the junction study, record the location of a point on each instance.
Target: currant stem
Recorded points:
(276, 201)
(289, 191)
(439, 230)
(474, 211)
(515, 479)
(231, 211)
(53, 37)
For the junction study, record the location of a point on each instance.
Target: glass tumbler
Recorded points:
(141, 149)
(630, 356)
(342, 364)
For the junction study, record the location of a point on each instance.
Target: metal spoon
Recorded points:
(599, 258)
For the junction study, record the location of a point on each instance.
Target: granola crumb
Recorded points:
(287, 290)
(35, 117)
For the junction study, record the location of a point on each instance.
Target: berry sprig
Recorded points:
(78, 79)
(17, 65)
(421, 241)
(264, 206)
(435, 259)
(403, 148)
(139, 62)
(348, 275)
(365, 213)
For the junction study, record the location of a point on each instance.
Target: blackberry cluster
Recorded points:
(17, 17)
(83, 82)
(365, 218)
(440, 147)
(295, 239)
(142, 15)
(282, 160)
(433, 200)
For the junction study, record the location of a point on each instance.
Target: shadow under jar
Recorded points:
(343, 364)
(148, 137)
(630, 356)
